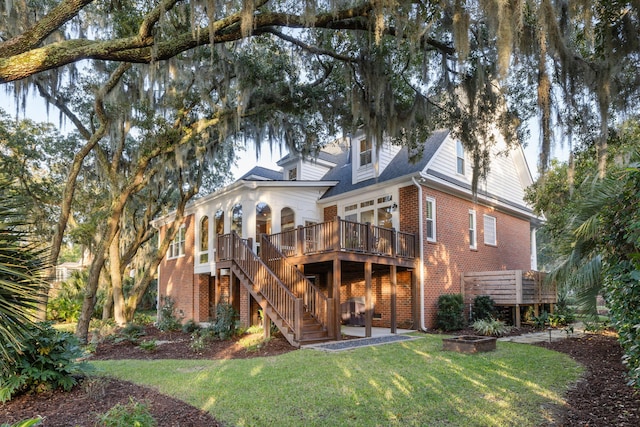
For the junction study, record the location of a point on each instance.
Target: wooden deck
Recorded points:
(509, 288)
(349, 241)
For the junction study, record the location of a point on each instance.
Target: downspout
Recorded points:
(421, 238)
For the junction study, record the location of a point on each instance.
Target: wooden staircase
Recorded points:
(298, 309)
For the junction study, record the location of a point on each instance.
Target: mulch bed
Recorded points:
(600, 398)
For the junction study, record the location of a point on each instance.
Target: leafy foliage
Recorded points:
(483, 307)
(168, 320)
(450, 312)
(131, 333)
(66, 305)
(25, 423)
(45, 360)
(491, 327)
(224, 326)
(133, 414)
(21, 269)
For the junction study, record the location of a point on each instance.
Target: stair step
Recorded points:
(314, 336)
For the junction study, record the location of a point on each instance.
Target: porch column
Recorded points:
(368, 300)
(415, 296)
(335, 292)
(394, 287)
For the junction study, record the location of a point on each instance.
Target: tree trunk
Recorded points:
(107, 307)
(115, 273)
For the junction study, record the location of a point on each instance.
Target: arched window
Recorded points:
(287, 219)
(236, 219)
(263, 219)
(204, 240)
(219, 222)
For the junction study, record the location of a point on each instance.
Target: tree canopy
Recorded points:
(160, 92)
(400, 64)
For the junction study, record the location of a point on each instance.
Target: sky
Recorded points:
(37, 112)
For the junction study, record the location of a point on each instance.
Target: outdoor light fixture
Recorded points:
(394, 207)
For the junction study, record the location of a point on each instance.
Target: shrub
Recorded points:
(224, 327)
(490, 327)
(142, 319)
(190, 326)
(168, 320)
(149, 346)
(45, 360)
(541, 321)
(449, 316)
(66, 305)
(131, 333)
(134, 414)
(483, 307)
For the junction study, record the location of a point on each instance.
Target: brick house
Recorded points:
(362, 234)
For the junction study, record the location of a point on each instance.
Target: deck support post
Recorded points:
(266, 325)
(335, 292)
(415, 296)
(368, 300)
(394, 286)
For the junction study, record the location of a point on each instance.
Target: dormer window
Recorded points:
(459, 158)
(293, 174)
(365, 152)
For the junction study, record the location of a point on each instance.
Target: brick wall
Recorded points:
(330, 213)
(450, 255)
(176, 275)
(353, 285)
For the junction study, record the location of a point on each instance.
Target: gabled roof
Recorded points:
(259, 173)
(320, 155)
(400, 166)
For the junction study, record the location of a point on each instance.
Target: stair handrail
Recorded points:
(279, 296)
(315, 301)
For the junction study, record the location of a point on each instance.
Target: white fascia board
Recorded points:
(368, 188)
(482, 198)
(289, 184)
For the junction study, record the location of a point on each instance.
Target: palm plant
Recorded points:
(21, 267)
(580, 270)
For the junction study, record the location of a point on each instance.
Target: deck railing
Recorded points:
(343, 235)
(281, 299)
(314, 300)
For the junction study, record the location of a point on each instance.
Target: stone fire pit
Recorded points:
(469, 344)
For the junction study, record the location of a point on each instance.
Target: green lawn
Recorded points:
(408, 383)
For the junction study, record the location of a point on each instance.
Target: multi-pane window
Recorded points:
(459, 158)
(365, 152)
(377, 211)
(293, 174)
(473, 243)
(204, 240)
(490, 230)
(431, 219)
(176, 247)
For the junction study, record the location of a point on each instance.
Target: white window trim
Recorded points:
(181, 243)
(473, 226)
(433, 220)
(490, 221)
(200, 251)
(358, 209)
(464, 159)
(360, 153)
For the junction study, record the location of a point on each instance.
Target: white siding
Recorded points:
(312, 171)
(507, 178)
(387, 152)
